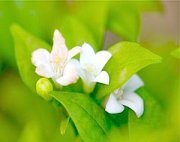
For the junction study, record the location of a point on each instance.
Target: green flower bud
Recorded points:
(43, 87)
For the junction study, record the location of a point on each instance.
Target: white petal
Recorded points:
(40, 56)
(87, 55)
(102, 58)
(134, 102)
(74, 51)
(112, 105)
(44, 70)
(133, 84)
(59, 47)
(80, 71)
(103, 77)
(85, 76)
(70, 75)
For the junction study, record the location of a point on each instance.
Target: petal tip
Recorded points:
(56, 32)
(103, 78)
(58, 35)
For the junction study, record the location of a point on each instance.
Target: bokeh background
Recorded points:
(25, 117)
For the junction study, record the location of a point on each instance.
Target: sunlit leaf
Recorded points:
(6, 44)
(25, 108)
(127, 59)
(95, 19)
(152, 112)
(124, 20)
(124, 17)
(176, 53)
(89, 119)
(25, 44)
(93, 15)
(31, 133)
(29, 14)
(75, 32)
(152, 119)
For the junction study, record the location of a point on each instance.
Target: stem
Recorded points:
(88, 87)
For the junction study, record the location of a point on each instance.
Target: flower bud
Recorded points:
(43, 87)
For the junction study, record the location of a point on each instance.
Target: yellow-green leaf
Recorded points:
(127, 59)
(25, 44)
(89, 118)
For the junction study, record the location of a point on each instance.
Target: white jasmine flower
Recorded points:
(91, 65)
(58, 64)
(126, 96)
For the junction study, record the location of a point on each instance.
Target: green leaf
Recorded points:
(152, 119)
(86, 14)
(95, 19)
(127, 59)
(75, 31)
(90, 120)
(6, 44)
(149, 5)
(124, 20)
(31, 132)
(152, 112)
(120, 119)
(176, 53)
(124, 17)
(25, 44)
(2, 66)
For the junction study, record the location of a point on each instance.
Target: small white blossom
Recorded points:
(91, 65)
(58, 64)
(126, 96)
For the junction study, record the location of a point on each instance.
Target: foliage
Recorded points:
(84, 112)
(28, 118)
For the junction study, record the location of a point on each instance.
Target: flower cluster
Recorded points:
(60, 66)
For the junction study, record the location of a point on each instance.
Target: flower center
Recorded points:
(56, 59)
(90, 68)
(57, 66)
(119, 94)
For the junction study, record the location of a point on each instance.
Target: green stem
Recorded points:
(88, 87)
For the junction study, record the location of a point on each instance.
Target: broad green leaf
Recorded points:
(36, 16)
(167, 71)
(6, 44)
(124, 20)
(120, 119)
(176, 53)
(89, 119)
(151, 121)
(95, 19)
(25, 44)
(152, 113)
(23, 106)
(75, 31)
(127, 59)
(93, 15)
(31, 133)
(124, 17)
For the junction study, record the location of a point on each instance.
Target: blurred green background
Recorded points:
(25, 117)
